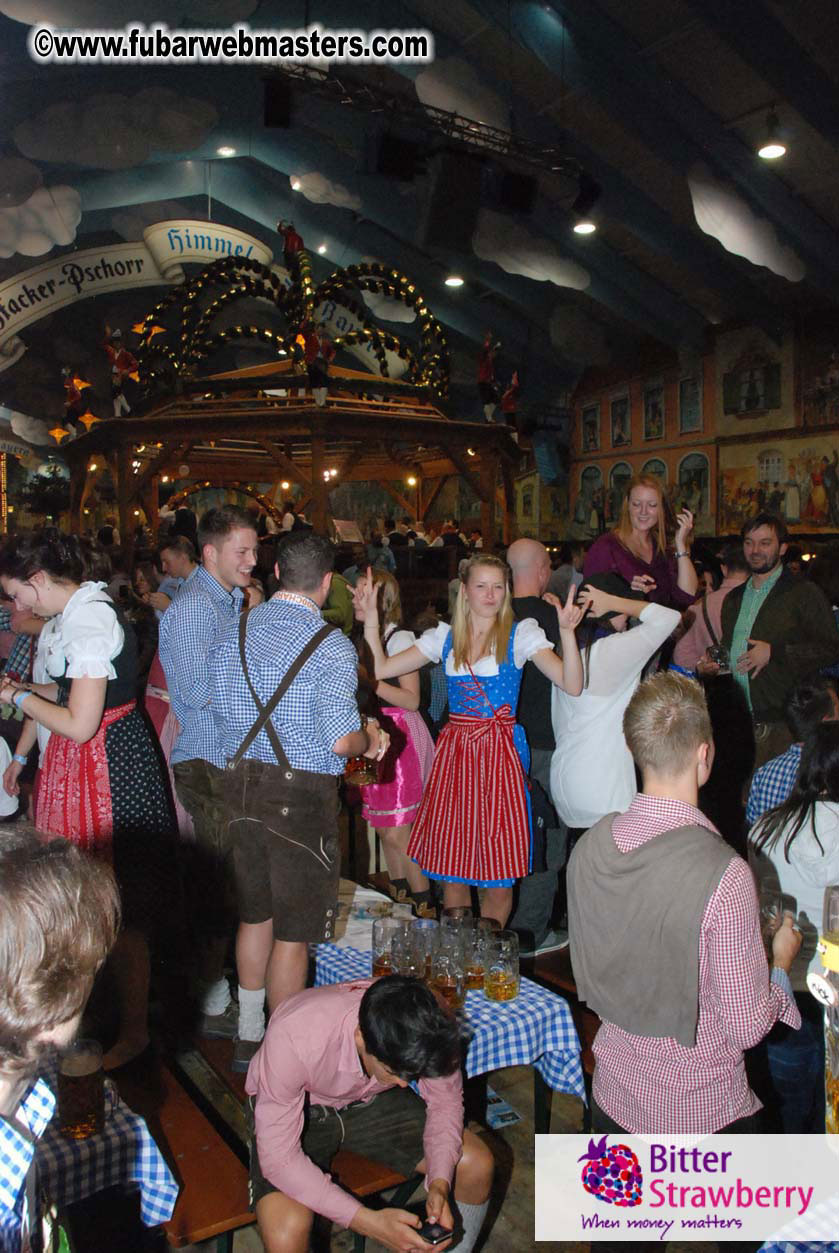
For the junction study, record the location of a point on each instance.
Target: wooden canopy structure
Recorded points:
(260, 425)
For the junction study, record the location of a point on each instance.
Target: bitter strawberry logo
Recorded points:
(612, 1173)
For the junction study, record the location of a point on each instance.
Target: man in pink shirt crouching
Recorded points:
(334, 1071)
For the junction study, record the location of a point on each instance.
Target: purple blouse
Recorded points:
(608, 555)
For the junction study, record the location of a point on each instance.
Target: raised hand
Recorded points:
(569, 615)
(684, 529)
(364, 598)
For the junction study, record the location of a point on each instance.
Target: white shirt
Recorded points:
(87, 638)
(397, 642)
(802, 880)
(529, 639)
(592, 771)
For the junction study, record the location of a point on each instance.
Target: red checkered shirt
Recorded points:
(654, 1085)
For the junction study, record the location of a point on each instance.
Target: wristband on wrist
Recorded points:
(684, 554)
(19, 757)
(19, 698)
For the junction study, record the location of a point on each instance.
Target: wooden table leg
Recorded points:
(542, 1094)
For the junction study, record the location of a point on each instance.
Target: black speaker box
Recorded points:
(454, 198)
(277, 104)
(398, 158)
(517, 192)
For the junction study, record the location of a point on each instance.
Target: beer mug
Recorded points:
(426, 932)
(476, 941)
(447, 975)
(385, 930)
(82, 1091)
(501, 979)
(359, 771)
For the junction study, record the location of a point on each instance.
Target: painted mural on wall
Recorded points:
(796, 478)
(820, 375)
(754, 383)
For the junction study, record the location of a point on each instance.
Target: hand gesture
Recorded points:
(569, 615)
(684, 529)
(643, 583)
(592, 601)
(786, 942)
(364, 598)
(157, 600)
(756, 658)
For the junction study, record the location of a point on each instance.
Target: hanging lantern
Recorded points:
(58, 433)
(88, 418)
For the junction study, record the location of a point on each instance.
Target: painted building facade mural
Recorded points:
(796, 478)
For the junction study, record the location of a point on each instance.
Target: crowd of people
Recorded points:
(568, 751)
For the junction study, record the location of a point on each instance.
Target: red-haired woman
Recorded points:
(637, 548)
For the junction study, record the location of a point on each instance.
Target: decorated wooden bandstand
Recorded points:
(298, 418)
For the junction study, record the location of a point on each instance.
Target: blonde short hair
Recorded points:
(665, 723)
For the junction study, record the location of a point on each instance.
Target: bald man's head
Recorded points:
(531, 567)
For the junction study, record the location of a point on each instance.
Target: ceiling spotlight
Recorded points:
(295, 184)
(411, 480)
(454, 280)
(587, 197)
(771, 146)
(321, 249)
(226, 151)
(285, 485)
(471, 452)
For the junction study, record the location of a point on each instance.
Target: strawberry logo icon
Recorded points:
(612, 1173)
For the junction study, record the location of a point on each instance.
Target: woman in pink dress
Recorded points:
(391, 804)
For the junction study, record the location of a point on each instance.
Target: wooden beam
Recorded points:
(318, 487)
(428, 505)
(169, 452)
(397, 496)
(286, 464)
(463, 469)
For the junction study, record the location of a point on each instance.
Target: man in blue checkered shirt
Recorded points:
(198, 617)
(813, 701)
(58, 922)
(281, 794)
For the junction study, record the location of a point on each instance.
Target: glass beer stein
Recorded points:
(501, 978)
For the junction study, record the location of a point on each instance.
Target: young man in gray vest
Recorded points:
(665, 939)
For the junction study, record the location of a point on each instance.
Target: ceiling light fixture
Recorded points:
(587, 197)
(226, 151)
(771, 146)
(295, 184)
(285, 485)
(454, 280)
(321, 249)
(411, 480)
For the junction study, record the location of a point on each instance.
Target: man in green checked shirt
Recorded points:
(778, 629)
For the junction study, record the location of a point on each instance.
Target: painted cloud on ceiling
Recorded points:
(34, 430)
(452, 85)
(577, 337)
(133, 220)
(516, 250)
(109, 14)
(721, 212)
(386, 307)
(321, 190)
(114, 132)
(49, 217)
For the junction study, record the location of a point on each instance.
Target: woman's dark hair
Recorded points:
(405, 1028)
(64, 558)
(817, 780)
(146, 568)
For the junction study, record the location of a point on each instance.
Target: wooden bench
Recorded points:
(213, 1198)
(554, 971)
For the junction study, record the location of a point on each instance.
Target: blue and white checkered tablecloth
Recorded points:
(125, 1153)
(536, 1029)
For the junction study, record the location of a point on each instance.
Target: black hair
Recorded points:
(217, 524)
(732, 557)
(63, 557)
(405, 1028)
(389, 524)
(288, 506)
(817, 780)
(809, 704)
(303, 558)
(766, 519)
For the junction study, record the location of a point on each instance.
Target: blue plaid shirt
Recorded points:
(318, 709)
(19, 663)
(192, 625)
(772, 783)
(17, 1149)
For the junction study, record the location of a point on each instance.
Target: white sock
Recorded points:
(251, 1014)
(215, 997)
(472, 1217)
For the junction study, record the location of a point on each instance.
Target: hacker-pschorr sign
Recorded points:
(155, 260)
